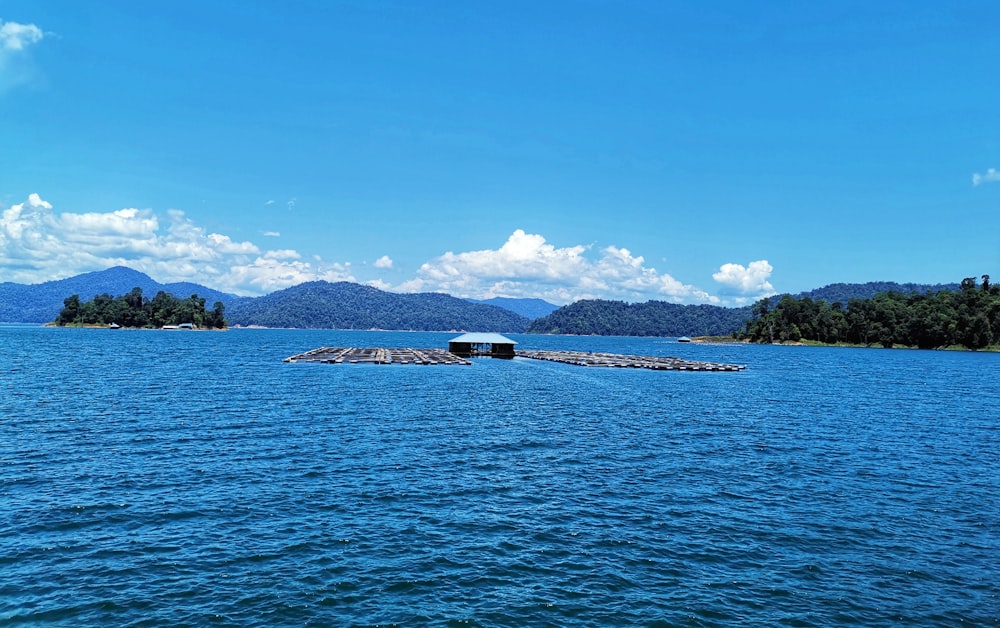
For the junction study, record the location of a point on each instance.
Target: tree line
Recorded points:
(599, 317)
(968, 317)
(135, 310)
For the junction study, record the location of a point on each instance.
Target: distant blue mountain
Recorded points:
(528, 308)
(41, 303)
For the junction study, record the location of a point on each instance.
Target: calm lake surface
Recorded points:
(185, 478)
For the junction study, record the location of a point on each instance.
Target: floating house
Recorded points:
(497, 346)
(482, 345)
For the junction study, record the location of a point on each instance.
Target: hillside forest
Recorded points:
(344, 305)
(135, 310)
(654, 318)
(968, 317)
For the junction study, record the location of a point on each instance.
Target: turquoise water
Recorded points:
(181, 478)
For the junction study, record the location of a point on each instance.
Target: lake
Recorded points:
(193, 478)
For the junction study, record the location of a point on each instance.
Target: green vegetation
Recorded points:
(344, 305)
(135, 310)
(967, 318)
(844, 292)
(653, 318)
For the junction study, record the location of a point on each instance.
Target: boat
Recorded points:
(683, 339)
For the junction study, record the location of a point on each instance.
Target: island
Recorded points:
(133, 310)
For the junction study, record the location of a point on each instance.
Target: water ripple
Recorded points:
(216, 485)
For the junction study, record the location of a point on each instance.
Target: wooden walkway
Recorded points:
(353, 355)
(614, 360)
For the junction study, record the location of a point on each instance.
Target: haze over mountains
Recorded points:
(345, 305)
(529, 308)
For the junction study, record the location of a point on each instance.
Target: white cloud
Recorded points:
(527, 266)
(525, 256)
(38, 244)
(745, 283)
(268, 273)
(271, 234)
(992, 175)
(34, 200)
(224, 245)
(282, 254)
(16, 37)
(16, 67)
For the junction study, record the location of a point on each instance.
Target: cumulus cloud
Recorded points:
(528, 266)
(992, 175)
(16, 37)
(38, 244)
(745, 283)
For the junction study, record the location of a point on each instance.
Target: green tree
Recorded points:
(216, 318)
(134, 310)
(71, 310)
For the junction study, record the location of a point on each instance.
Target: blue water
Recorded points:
(185, 478)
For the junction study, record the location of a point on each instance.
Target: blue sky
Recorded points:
(684, 151)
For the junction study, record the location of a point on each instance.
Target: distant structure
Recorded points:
(482, 345)
(496, 346)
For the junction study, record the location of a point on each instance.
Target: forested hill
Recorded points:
(968, 317)
(844, 292)
(361, 307)
(325, 305)
(41, 303)
(653, 318)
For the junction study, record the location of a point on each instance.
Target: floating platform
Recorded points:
(614, 360)
(353, 355)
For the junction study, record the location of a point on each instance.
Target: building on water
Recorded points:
(482, 345)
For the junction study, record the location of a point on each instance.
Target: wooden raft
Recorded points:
(614, 360)
(354, 355)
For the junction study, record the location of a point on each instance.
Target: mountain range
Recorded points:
(41, 303)
(345, 305)
(316, 304)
